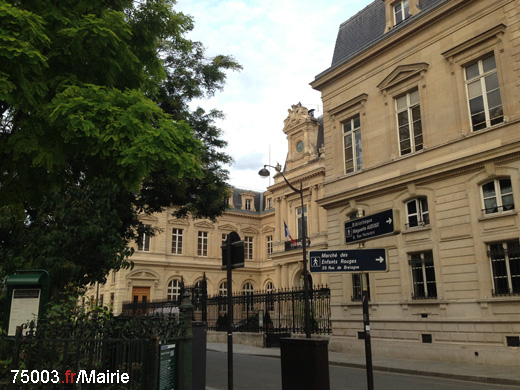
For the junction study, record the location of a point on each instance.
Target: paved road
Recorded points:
(264, 373)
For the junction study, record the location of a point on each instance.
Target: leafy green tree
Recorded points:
(96, 128)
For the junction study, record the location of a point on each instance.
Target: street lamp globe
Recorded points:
(264, 173)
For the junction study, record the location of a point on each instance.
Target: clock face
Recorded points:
(299, 147)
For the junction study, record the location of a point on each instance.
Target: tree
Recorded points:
(95, 128)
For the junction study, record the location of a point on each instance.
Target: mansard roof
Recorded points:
(367, 27)
(237, 200)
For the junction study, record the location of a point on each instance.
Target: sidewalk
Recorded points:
(467, 372)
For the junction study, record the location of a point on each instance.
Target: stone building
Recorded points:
(186, 249)
(422, 115)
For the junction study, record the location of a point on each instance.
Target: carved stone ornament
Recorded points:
(297, 114)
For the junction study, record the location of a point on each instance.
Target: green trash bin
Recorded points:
(305, 364)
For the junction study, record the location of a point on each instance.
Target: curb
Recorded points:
(407, 371)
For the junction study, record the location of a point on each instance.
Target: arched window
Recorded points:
(417, 212)
(248, 290)
(269, 289)
(197, 294)
(174, 290)
(497, 196)
(309, 280)
(222, 291)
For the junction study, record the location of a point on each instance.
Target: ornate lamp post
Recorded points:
(265, 173)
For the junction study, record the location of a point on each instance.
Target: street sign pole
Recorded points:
(232, 257)
(366, 324)
(229, 316)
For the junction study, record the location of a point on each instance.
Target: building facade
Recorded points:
(422, 116)
(186, 250)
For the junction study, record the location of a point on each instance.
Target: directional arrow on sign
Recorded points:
(349, 260)
(372, 226)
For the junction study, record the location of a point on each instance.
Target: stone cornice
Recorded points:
(295, 181)
(423, 176)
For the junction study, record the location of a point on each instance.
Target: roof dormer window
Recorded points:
(401, 11)
(248, 201)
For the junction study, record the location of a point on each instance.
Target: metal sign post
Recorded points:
(232, 257)
(366, 325)
(355, 261)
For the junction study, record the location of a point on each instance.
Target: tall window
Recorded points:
(352, 145)
(300, 220)
(248, 204)
(269, 245)
(423, 276)
(417, 212)
(485, 103)
(269, 205)
(409, 122)
(505, 267)
(357, 287)
(401, 11)
(248, 291)
(144, 241)
(248, 248)
(222, 292)
(174, 290)
(202, 244)
(269, 289)
(177, 241)
(497, 196)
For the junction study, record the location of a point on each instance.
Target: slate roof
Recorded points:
(367, 27)
(237, 200)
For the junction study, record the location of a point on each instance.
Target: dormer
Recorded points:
(230, 202)
(248, 201)
(397, 11)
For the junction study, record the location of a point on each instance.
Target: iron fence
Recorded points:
(280, 311)
(275, 311)
(110, 353)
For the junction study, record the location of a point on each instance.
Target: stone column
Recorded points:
(321, 211)
(283, 216)
(278, 225)
(285, 276)
(314, 225)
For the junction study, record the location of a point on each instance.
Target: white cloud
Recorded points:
(282, 45)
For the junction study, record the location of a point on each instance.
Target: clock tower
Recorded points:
(302, 131)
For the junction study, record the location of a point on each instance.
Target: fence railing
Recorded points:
(272, 311)
(110, 353)
(279, 311)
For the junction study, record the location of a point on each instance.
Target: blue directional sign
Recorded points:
(350, 260)
(372, 226)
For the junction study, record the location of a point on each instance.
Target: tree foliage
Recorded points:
(96, 128)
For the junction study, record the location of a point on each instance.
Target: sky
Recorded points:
(282, 46)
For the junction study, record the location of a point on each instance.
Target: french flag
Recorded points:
(287, 234)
